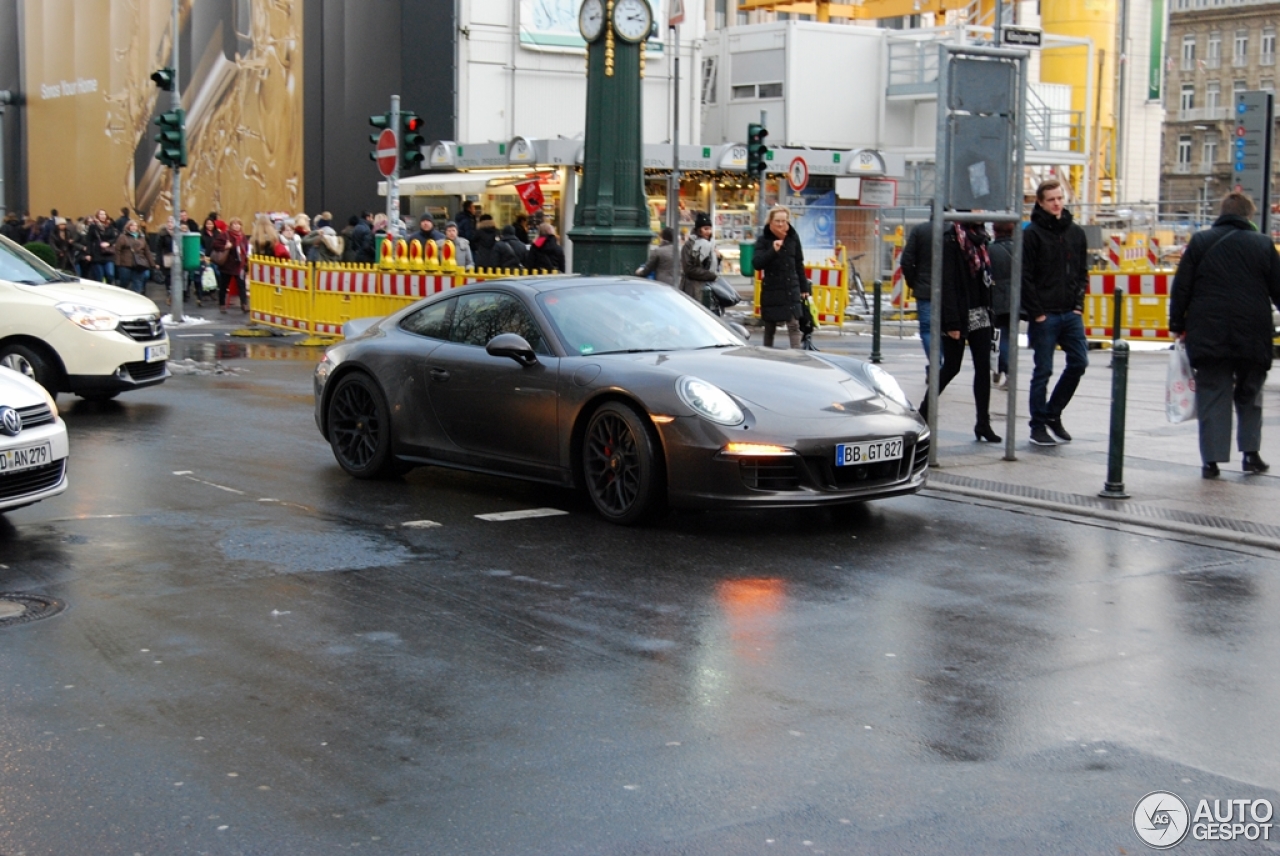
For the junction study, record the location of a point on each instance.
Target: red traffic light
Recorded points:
(412, 123)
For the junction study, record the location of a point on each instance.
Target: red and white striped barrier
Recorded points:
(1146, 296)
(1113, 252)
(373, 282)
(280, 320)
(279, 275)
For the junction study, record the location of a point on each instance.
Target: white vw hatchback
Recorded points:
(72, 335)
(33, 443)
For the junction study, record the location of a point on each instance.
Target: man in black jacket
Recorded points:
(917, 270)
(1227, 281)
(1055, 275)
(361, 243)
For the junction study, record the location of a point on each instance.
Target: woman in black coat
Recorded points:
(546, 252)
(967, 316)
(780, 259)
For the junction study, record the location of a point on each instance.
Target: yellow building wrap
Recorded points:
(1095, 20)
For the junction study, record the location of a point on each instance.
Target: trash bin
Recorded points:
(746, 259)
(191, 251)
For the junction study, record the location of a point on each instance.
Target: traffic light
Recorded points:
(757, 151)
(164, 79)
(411, 141)
(172, 138)
(381, 122)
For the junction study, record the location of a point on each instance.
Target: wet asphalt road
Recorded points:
(258, 656)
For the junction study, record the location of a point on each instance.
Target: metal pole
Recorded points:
(1118, 302)
(3, 100)
(940, 201)
(1117, 306)
(175, 265)
(1015, 268)
(876, 288)
(762, 210)
(393, 180)
(996, 29)
(1114, 487)
(6, 97)
(673, 192)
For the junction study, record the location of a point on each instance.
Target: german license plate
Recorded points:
(868, 452)
(156, 353)
(12, 460)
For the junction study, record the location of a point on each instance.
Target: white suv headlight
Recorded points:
(709, 401)
(89, 317)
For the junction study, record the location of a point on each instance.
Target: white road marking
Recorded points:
(522, 515)
(187, 474)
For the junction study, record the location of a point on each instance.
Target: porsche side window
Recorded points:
(483, 315)
(430, 321)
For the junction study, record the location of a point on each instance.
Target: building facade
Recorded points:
(1216, 49)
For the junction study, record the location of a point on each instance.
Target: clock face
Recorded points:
(591, 19)
(632, 19)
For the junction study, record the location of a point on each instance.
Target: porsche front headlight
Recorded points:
(709, 401)
(887, 385)
(89, 317)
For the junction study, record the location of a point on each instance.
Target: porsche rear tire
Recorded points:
(360, 428)
(621, 465)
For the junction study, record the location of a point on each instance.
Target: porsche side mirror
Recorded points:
(512, 345)
(740, 330)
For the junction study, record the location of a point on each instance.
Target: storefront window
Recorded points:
(504, 205)
(694, 196)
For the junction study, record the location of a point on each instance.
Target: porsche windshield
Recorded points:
(631, 317)
(19, 265)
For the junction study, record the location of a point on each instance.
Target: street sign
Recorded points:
(1251, 149)
(1021, 37)
(798, 174)
(388, 152)
(880, 192)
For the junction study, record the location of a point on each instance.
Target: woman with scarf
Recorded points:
(967, 317)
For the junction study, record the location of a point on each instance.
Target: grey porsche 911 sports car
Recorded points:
(623, 387)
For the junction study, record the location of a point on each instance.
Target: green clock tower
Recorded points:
(611, 222)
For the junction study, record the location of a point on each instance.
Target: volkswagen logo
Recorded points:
(10, 421)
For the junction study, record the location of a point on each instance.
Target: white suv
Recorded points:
(33, 443)
(76, 336)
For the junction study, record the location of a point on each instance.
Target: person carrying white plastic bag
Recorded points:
(1220, 305)
(1180, 386)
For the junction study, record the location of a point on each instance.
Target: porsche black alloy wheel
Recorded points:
(623, 473)
(359, 430)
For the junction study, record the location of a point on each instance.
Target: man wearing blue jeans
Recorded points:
(1055, 275)
(917, 270)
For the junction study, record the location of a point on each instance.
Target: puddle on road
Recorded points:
(216, 351)
(313, 551)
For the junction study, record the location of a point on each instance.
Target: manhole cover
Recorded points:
(23, 608)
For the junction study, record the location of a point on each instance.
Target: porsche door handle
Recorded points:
(440, 374)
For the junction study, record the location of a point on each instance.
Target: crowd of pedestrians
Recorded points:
(125, 252)
(477, 241)
(1221, 301)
